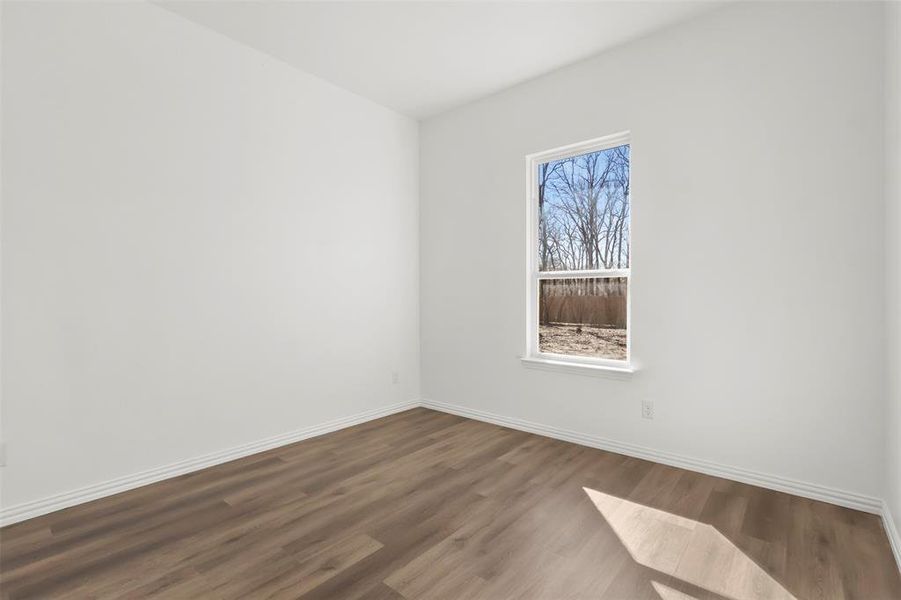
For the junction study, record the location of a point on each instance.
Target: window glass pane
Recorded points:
(583, 205)
(583, 317)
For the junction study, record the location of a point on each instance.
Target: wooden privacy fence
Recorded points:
(598, 301)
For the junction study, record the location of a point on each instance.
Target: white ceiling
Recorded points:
(421, 58)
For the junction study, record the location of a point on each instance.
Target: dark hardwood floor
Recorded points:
(425, 505)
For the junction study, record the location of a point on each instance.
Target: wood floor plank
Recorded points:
(424, 505)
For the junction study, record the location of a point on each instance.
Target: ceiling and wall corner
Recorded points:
(424, 58)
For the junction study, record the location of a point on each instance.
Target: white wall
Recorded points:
(893, 264)
(758, 289)
(201, 246)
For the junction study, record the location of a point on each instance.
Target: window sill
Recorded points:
(560, 366)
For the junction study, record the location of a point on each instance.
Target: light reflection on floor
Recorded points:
(688, 550)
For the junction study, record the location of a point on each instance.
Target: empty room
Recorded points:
(437, 300)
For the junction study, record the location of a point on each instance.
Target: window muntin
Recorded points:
(579, 253)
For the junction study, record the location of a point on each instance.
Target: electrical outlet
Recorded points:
(647, 409)
(395, 377)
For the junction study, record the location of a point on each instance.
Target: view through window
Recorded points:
(582, 275)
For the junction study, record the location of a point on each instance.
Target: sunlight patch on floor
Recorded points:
(691, 551)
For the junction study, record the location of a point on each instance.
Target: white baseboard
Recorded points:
(36, 508)
(894, 538)
(869, 504)
(799, 488)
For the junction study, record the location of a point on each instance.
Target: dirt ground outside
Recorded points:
(582, 340)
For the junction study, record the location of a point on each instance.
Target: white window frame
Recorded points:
(564, 362)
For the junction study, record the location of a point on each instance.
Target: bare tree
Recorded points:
(584, 211)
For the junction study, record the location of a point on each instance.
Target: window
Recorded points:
(579, 254)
